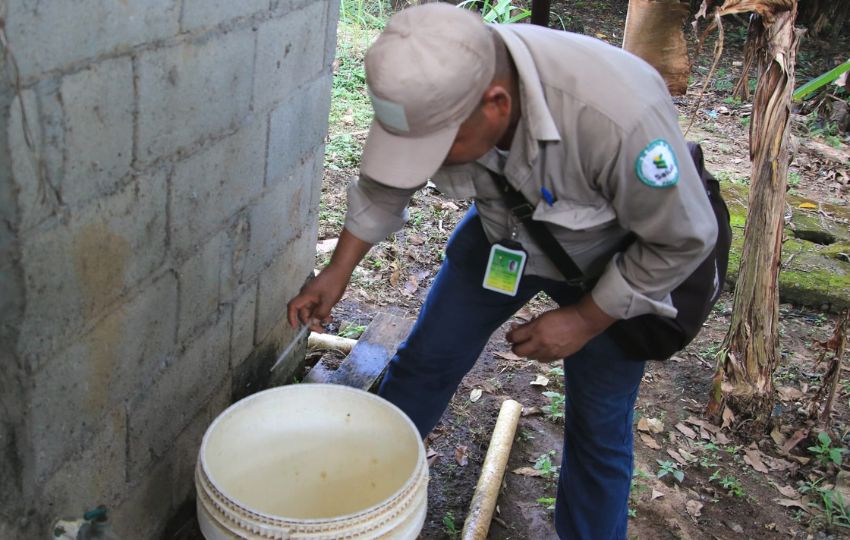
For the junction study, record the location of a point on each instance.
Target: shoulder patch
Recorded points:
(656, 166)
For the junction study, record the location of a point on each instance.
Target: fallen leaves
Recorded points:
(649, 441)
(462, 455)
(508, 355)
(528, 471)
(753, 459)
(540, 380)
(686, 431)
(694, 508)
(475, 395)
(650, 425)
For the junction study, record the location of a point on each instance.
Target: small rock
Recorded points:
(735, 527)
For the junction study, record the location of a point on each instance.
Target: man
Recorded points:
(589, 135)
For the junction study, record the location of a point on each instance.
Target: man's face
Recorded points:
(482, 130)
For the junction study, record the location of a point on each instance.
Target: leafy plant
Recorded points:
(731, 484)
(670, 467)
(351, 330)
(836, 511)
(794, 179)
(502, 12)
(548, 502)
(819, 82)
(825, 453)
(449, 525)
(555, 409)
(545, 466)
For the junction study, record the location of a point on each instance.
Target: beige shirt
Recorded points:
(592, 118)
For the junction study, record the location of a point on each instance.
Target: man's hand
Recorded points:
(313, 304)
(560, 332)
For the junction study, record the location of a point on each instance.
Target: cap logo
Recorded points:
(656, 165)
(390, 114)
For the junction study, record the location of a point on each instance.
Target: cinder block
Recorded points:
(192, 91)
(278, 217)
(93, 476)
(212, 185)
(234, 255)
(27, 154)
(74, 272)
(290, 52)
(298, 128)
(282, 280)
(51, 35)
(244, 311)
(143, 515)
(184, 455)
(204, 13)
(198, 280)
(98, 104)
(110, 364)
(159, 414)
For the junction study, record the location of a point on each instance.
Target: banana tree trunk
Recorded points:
(749, 355)
(654, 32)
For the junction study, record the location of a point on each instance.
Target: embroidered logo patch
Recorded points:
(656, 165)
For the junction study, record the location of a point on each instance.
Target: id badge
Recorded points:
(504, 269)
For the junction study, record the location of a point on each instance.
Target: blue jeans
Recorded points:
(601, 383)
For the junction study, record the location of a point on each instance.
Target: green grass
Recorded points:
(351, 111)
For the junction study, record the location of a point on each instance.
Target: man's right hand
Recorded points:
(313, 304)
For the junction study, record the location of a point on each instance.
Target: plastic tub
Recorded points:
(311, 461)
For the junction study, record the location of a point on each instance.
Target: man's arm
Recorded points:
(313, 304)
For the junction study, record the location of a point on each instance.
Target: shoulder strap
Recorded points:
(523, 210)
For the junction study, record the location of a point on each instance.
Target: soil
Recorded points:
(721, 494)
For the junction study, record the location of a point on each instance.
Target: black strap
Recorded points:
(523, 210)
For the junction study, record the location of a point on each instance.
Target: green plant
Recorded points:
(836, 511)
(745, 121)
(670, 467)
(369, 14)
(548, 502)
(545, 466)
(819, 82)
(449, 525)
(502, 12)
(825, 453)
(555, 409)
(794, 179)
(351, 330)
(731, 484)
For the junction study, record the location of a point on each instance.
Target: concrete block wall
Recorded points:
(160, 168)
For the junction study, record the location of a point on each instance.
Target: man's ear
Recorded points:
(498, 99)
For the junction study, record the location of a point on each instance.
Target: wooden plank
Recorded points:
(369, 358)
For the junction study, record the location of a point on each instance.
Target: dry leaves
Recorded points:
(789, 393)
(650, 425)
(540, 380)
(475, 395)
(531, 411)
(686, 431)
(508, 355)
(656, 495)
(462, 455)
(649, 441)
(753, 459)
(432, 456)
(527, 471)
(694, 508)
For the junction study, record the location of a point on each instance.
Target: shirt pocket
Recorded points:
(575, 215)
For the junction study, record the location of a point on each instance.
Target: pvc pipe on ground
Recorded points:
(327, 341)
(483, 503)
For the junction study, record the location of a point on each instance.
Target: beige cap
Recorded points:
(426, 73)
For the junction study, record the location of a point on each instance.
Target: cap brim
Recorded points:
(404, 162)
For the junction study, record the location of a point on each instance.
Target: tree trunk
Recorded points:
(654, 32)
(749, 355)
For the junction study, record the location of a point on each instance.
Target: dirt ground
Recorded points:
(731, 487)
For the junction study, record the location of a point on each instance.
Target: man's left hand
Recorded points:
(560, 332)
